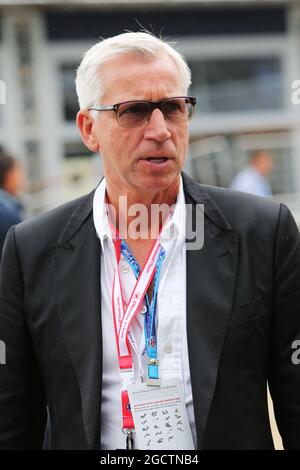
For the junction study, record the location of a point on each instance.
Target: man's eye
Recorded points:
(173, 106)
(134, 109)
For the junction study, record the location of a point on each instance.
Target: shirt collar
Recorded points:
(174, 227)
(12, 203)
(8, 198)
(100, 217)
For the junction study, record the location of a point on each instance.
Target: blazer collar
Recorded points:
(79, 223)
(197, 193)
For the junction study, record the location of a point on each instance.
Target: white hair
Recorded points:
(89, 86)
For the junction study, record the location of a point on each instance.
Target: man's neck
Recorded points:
(149, 208)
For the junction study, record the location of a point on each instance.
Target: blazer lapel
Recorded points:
(211, 278)
(77, 274)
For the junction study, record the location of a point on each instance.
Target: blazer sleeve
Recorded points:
(284, 372)
(22, 400)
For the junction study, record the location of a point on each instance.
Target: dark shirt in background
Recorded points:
(10, 214)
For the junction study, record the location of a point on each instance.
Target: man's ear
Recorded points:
(85, 125)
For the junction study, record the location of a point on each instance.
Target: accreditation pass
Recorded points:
(160, 416)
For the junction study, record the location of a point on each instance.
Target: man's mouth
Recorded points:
(157, 159)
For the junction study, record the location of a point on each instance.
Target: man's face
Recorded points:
(15, 181)
(124, 151)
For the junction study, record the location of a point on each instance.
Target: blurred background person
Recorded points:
(253, 179)
(12, 183)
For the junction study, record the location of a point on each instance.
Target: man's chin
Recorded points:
(152, 184)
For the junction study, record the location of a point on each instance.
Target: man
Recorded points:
(11, 183)
(222, 318)
(253, 179)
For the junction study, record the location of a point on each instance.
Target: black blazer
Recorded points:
(243, 314)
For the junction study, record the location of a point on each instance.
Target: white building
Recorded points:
(244, 57)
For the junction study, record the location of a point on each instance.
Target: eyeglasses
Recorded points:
(136, 113)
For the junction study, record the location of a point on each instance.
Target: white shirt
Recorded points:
(251, 181)
(171, 314)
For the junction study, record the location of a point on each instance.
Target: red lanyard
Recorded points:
(123, 318)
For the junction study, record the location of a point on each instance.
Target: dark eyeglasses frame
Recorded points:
(153, 105)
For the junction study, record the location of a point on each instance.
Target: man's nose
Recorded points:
(156, 128)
